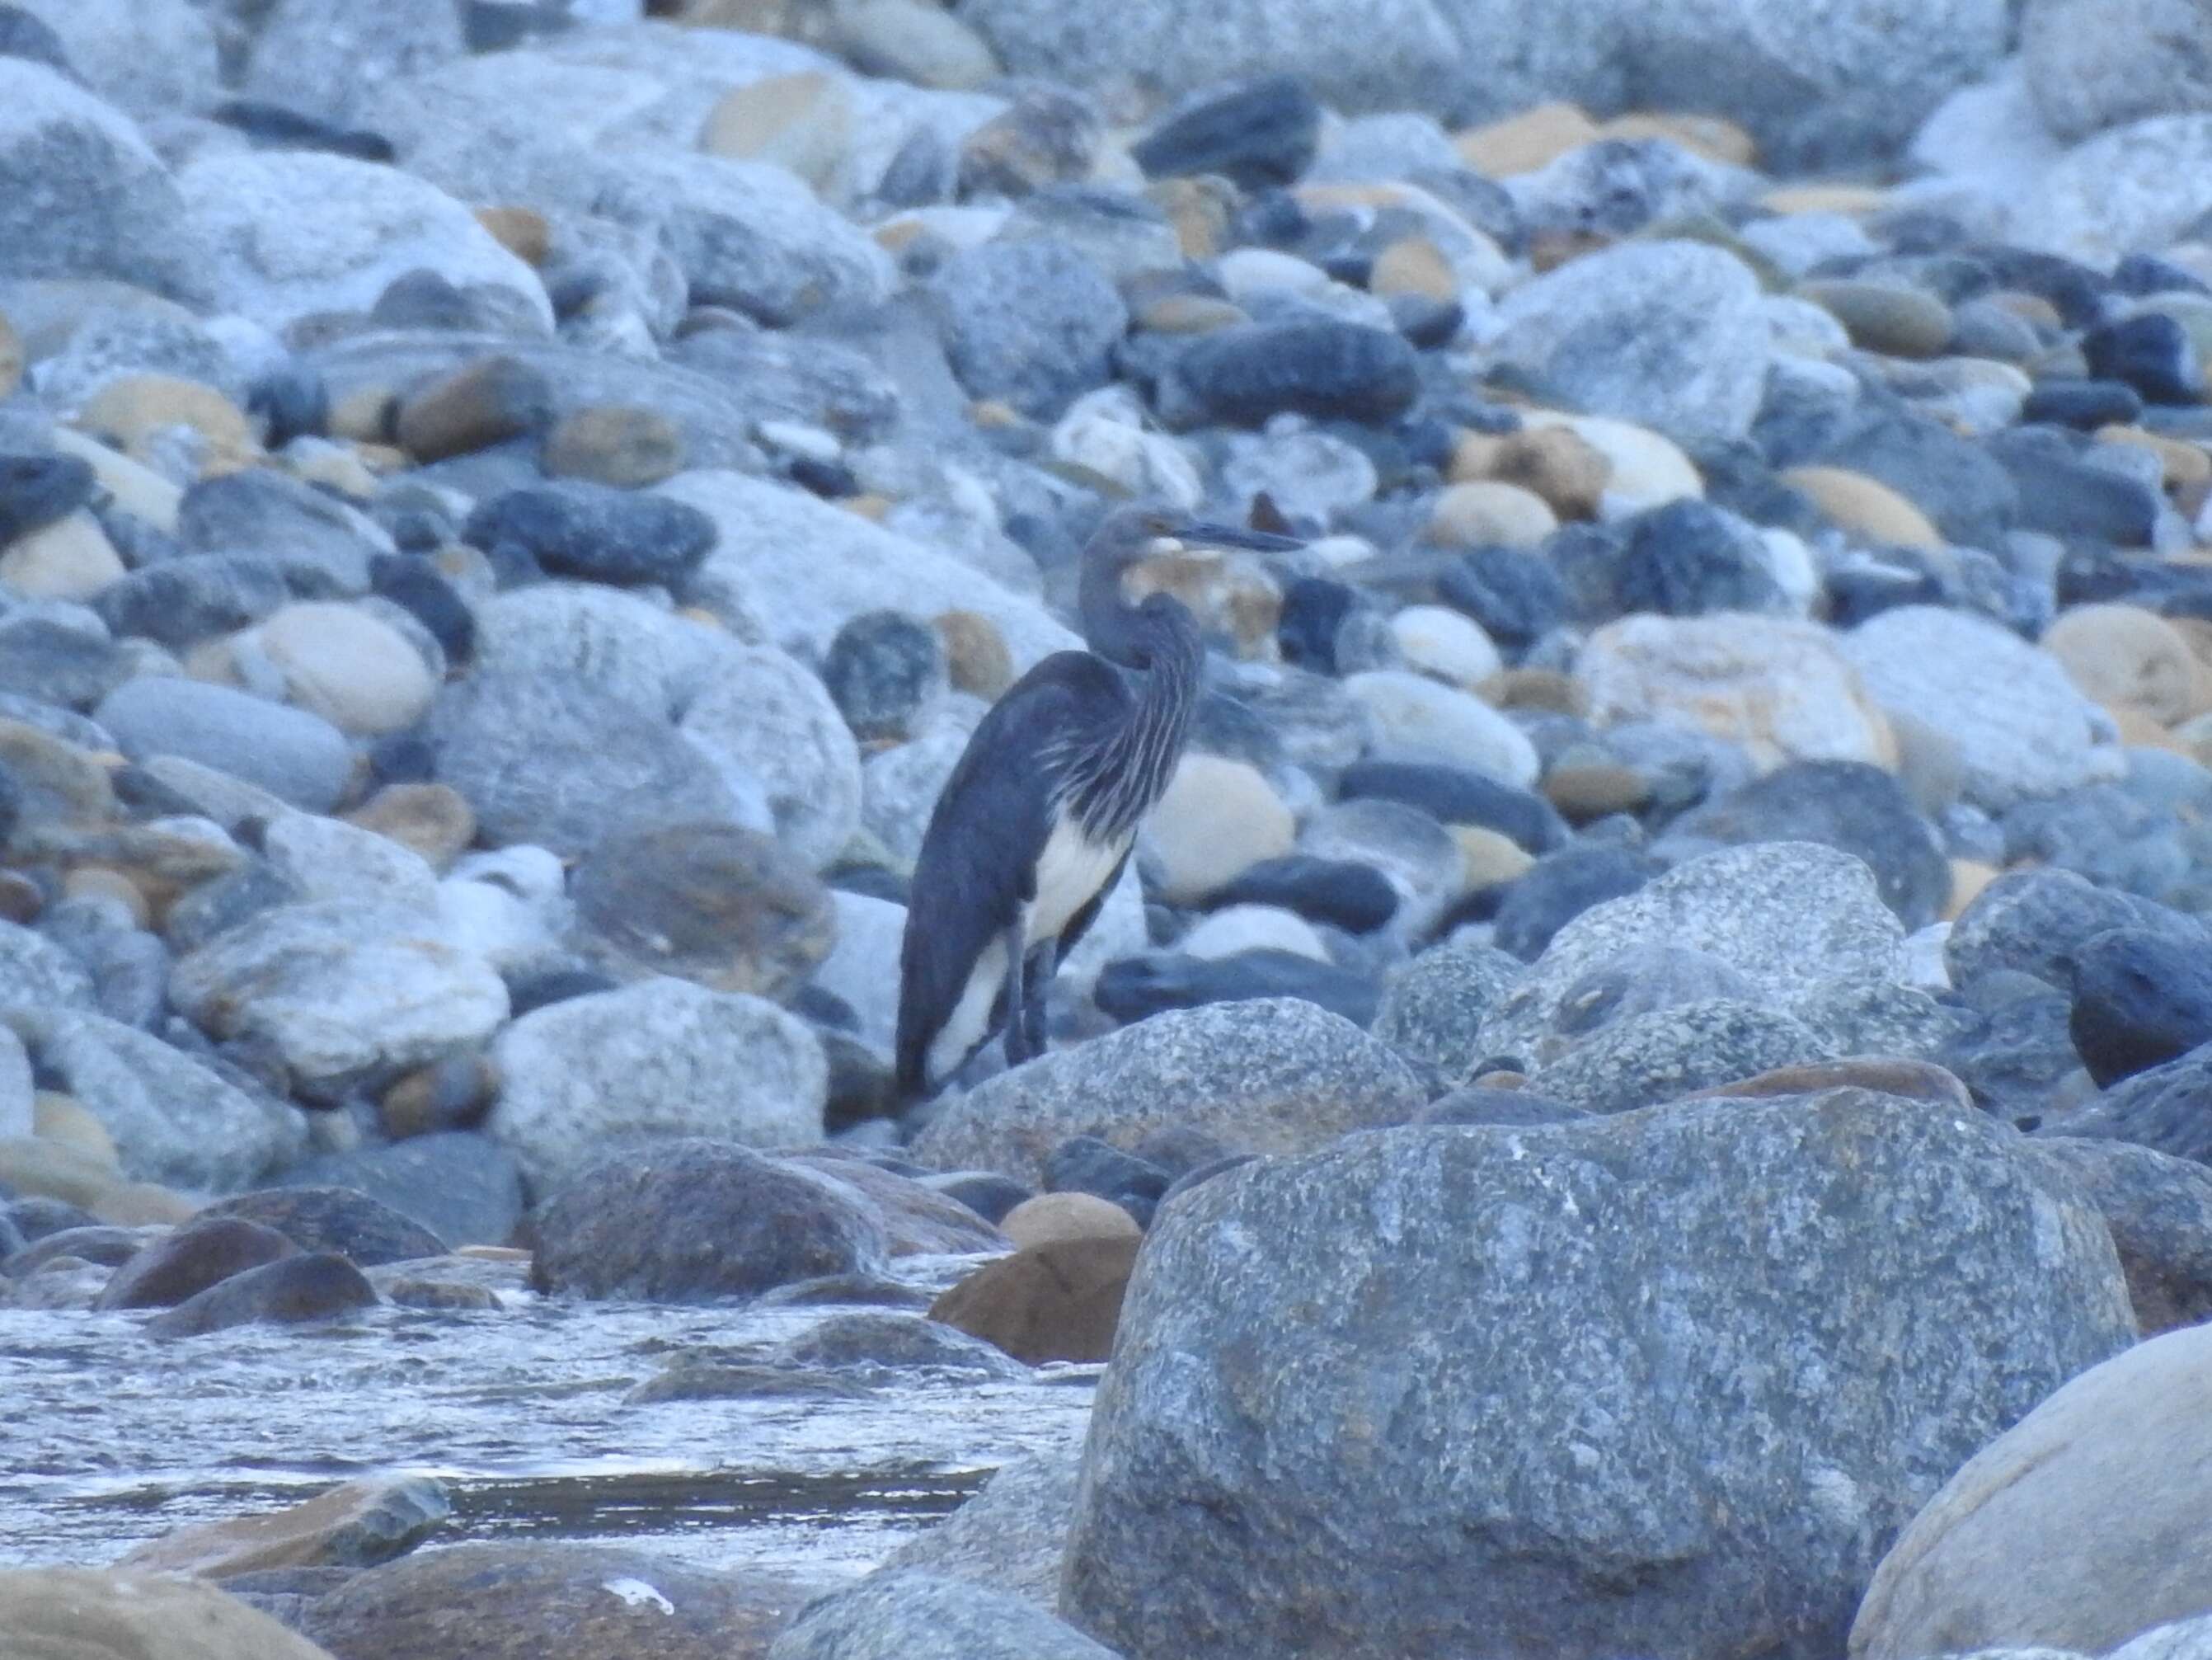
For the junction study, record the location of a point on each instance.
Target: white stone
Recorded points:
(1253, 927)
(769, 718)
(1416, 717)
(1103, 433)
(1446, 643)
(329, 859)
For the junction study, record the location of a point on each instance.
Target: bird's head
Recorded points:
(1145, 530)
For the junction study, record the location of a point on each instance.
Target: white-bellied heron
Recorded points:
(1037, 819)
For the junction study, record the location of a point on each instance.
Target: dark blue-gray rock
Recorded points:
(1236, 1499)
(884, 670)
(204, 1252)
(2141, 999)
(36, 1217)
(1009, 1535)
(1259, 135)
(70, 667)
(180, 602)
(1084, 1163)
(1318, 367)
(986, 1193)
(1137, 988)
(690, 1220)
(99, 1244)
(2034, 921)
(35, 490)
(2082, 404)
(1355, 897)
(1459, 795)
(1433, 1008)
(919, 1219)
(1513, 592)
(290, 1290)
(294, 755)
(1474, 1104)
(1970, 496)
(1688, 557)
(1030, 323)
(597, 533)
(2152, 353)
(2068, 498)
(25, 34)
(1660, 1055)
(423, 591)
(1846, 805)
(2167, 1109)
(910, 1614)
(465, 1188)
(1561, 886)
(2013, 1049)
(2160, 1211)
(874, 1341)
(2107, 833)
(275, 126)
(323, 545)
(365, 1230)
(1315, 612)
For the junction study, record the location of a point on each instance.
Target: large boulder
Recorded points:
(1011, 1534)
(2077, 1528)
(2097, 63)
(93, 1613)
(1664, 1384)
(907, 1613)
(1268, 1075)
(2142, 186)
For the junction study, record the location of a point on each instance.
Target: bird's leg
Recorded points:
(1017, 1048)
(1044, 962)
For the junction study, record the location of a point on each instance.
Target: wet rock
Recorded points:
(1259, 135)
(365, 1230)
(692, 1220)
(290, 1290)
(1009, 1535)
(871, 1341)
(597, 533)
(2141, 998)
(1316, 366)
(1193, 1338)
(1057, 1301)
(696, 1380)
(296, 755)
(725, 907)
(899, 1613)
(2160, 1211)
(919, 1219)
(1029, 323)
(188, 1261)
(1272, 1075)
(545, 1600)
(356, 1524)
(1998, 1557)
(99, 1612)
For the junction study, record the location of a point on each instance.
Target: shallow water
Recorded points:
(108, 1437)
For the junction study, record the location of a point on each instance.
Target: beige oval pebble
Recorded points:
(1219, 818)
(1865, 505)
(1051, 1216)
(2127, 658)
(1413, 264)
(1645, 468)
(615, 444)
(802, 122)
(976, 655)
(1490, 858)
(68, 559)
(434, 820)
(1446, 643)
(347, 666)
(66, 1121)
(2181, 462)
(1526, 142)
(1488, 513)
(523, 231)
(132, 408)
(1968, 879)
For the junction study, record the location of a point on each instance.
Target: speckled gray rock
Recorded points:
(1011, 1534)
(1028, 322)
(2164, 1109)
(2097, 63)
(2021, 727)
(1237, 1495)
(2160, 1211)
(909, 1613)
(331, 57)
(660, 1058)
(148, 58)
(1787, 915)
(1664, 1055)
(298, 756)
(173, 1120)
(1432, 1010)
(1270, 1075)
(769, 720)
(36, 973)
(2142, 186)
(81, 194)
(2030, 922)
(1668, 335)
(2061, 1530)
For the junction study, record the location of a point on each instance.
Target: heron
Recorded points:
(1034, 825)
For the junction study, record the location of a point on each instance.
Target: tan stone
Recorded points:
(53, 1170)
(1906, 1079)
(913, 40)
(59, 770)
(101, 1614)
(523, 231)
(365, 415)
(1059, 1301)
(1558, 463)
(351, 1525)
(1596, 789)
(1526, 142)
(1488, 859)
(1051, 1216)
(1200, 210)
(1968, 879)
(482, 403)
(615, 444)
(65, 1121)
(1190, 313)
(2139, 731)
(1865, 505)
(98, 882)
(1413, 264)
(132, 408)
(142, 1204)
(975, 655)
(1647, 470)
(339, 467)
(1713, 137)
(2182, 463)
(1536, 689)
(137, 488)
(1218, 819)
(68, 559)
(1489, 513)
(11, 358)
(1851, 199)
(2127, 658)
(801, 121)
(434, 820)
(349, 665)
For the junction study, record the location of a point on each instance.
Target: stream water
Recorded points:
(109, 1438)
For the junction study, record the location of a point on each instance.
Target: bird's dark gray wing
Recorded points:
(978, 862)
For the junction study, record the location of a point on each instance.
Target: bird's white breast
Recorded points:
(1070, 872)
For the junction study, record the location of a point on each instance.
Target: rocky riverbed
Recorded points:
(1648, 1092)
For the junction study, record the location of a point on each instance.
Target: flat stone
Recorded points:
(356, 1524)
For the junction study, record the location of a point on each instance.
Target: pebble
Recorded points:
(187, 1263)
(1416, 719)
(292, 754)
(68, 559)
(1489, 513)
(1865, 506)
(1898, 321)
(618, 445)
(1057, 1300)
(318, 1285)
(1321, 368)
(2125, 656)
(1218, 819)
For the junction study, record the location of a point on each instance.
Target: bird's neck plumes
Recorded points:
(1113, 787)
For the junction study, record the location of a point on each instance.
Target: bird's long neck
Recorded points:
(1129, 774)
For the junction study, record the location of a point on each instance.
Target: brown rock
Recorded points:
(1556, 463)
(1908, 1079)
(98, 882)
(523, 231)
(1526, 142)
(366, 416)
(101, 1614)
(486, 403)
(130, 409)
(975, 655)
(1536, 689)
(615, 444)
(801, 121)
(1968, 879)
(453, 1094)
(434, 820)
(1059, 1301)
(187, 1263)
(1200, 210)
(1046, 136)
(2127, 658)
(1413, 264)
(1190, 313)
(63, 782)
(1865, 505)
(356, 1524)
(1898, 321)
(1712, 136)
(1490, 860)
(1051, 1217)
(21, 899)
(1592, 791)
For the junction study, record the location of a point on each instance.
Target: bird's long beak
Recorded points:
(1232, 536)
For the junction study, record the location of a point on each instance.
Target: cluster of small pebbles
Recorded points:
(509, 514)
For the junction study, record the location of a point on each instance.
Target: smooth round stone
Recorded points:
(1032, 323)
(1343, 894)
(1051, 1216)
(489, 402)
(1487, 514)
(294, 755)
(352, 668)
(802, 122)
(1416, 717)
(597, 533)
(1413, 265)
(2152, 352)
(2125, 656)
(187, 1263)
(977, 659)
(133, 410)
(885, 671)
(523, 231)
(1647, 469)
(184, 600)
(1688, 558)
(2083, 405)
(1457, 795)
(38, 490)
(1898, 321)
(615, 444)
(1235, 929)
(68, 559)
(1515, 594)
(1864, 505)
(2181, 464)
(1558, 463)
(1408, 846)
(1048, 136)
(1219, 818)
(1318, 366)
(916, 41)
(1260, 135)
(290, 1290)
(1526, 142)
(1445, 643)
(1104, 433)
(432, 820)
(1488, 859)
(2141, 999)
